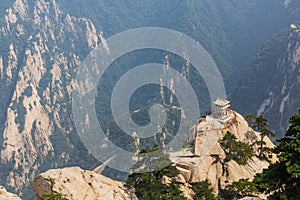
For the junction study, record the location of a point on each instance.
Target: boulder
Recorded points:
(4, 195)
(166, 180)
(179, 179)
(187, 191)
(75, 183)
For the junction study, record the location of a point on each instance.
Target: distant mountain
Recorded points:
(42, 46)
(231, 31)
(271, 85)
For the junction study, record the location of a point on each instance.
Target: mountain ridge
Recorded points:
(42, 47)
(38, 74)
(272, 82)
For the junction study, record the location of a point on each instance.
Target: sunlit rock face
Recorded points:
(4, 195)
(76, 184)
(206, 160)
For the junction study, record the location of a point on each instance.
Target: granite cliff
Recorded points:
(270, 87)
(40, 52)
(206, 161)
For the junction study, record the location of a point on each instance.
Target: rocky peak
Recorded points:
(207, 160)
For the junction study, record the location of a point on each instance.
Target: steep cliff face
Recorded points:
(271, 85)
(209, 163)
(41, 48)
(40, 51)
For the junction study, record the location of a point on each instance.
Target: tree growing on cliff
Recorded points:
(282, 179)
(204, 191)
(235, 150)
(53, 196)
(260, 124)
(148, 185)
(239, 189)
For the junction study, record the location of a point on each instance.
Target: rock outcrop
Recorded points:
(4, 195)
(207, 163)
(77, 184)
(185, 187)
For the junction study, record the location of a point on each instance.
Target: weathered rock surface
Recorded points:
(187, 191)
(180, 179)
(185, 187)
(4, 195)
(37, 69)
(209, 165)
(78, 184)
(275, 96)
(166, 180)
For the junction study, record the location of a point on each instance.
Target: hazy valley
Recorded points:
(43, 43)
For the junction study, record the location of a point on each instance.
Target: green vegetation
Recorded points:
(212, 24)
(53, 196)
(151, 159)
(235, 150)
(260, 124)
(148, 185)
(239, 189)
(282, 179)
(203, 191)
(289, 147)
(262, 84)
